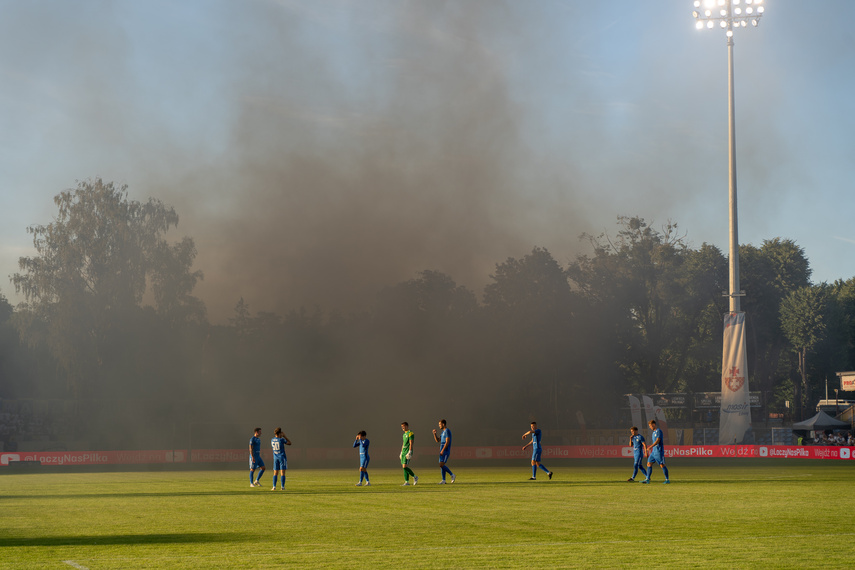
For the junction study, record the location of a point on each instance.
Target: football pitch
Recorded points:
(733, 514)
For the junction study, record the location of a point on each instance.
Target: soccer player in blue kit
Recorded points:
(280, 460)
(362, 443)
(656, 452)
(255, 460)
(444, 441)
(636, 442)
(536, 450)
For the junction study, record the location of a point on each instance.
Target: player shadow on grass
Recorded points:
(127, 539)
(130, 494)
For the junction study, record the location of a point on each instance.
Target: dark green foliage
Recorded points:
(110, 318)
(84, 288)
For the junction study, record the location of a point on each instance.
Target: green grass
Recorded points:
(793, 514)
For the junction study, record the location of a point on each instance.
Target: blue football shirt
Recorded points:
(255, 445)
(278, 445)
(535, 440)
(637, 441)
(657, 435)
(443, 437)
(362, 444)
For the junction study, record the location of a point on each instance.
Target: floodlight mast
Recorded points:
(730, 15)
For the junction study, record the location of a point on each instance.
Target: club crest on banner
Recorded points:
(734, 380)
(735, 414)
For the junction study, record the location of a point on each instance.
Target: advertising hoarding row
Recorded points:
(461, 453)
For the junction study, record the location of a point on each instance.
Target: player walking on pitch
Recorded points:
(656, 452)
(255, 461)
(636, 442)
(362, 443)
(444, 441)
(407, 454)
(280, 460)
(536, 450)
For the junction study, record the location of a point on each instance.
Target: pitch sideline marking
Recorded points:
(462, 546)
(75, 565)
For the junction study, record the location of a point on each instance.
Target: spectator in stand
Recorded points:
(851, 440)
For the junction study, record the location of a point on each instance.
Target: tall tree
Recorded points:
(5, 308)
(658, 297)
(91, 270)
(845, 292)
(533, 329)
(768, 274)
(806, 315)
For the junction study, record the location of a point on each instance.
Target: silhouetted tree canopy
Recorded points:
(109, 312)
(88, 279)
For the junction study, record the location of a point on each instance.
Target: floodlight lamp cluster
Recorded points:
(729, 14)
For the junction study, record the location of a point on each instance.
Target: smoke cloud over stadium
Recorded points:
(322, 152)
(348, 170)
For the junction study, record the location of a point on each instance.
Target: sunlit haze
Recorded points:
(319, 151)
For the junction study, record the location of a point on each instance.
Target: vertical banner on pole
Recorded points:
(648, 409)
(661, 423)
(581, 419)
(635, 408)
(649, 413)
(735, 404)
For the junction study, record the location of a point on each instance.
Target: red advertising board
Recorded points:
(474, 453)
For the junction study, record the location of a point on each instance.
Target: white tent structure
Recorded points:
(821, 421)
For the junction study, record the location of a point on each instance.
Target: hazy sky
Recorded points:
(318, 150)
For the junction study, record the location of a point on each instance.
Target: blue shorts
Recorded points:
(363, 461)
(280, 463)
(639, 459)
(535, 455)
(443, 457)
(256, 463)
(656, 457)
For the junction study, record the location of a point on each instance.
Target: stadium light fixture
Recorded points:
(730, 15)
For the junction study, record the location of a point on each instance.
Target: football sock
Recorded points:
(283, 481)
(259, 476)
(534, 471)
(366, 476)
(274, 480)
(407, 473)
(635, 472)
(643, 471)
(251, 473)
(544, 468)
(665, 470)
(361, 476)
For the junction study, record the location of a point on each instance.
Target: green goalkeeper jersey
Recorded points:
(408, 441)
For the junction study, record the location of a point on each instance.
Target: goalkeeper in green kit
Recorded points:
(407, 454)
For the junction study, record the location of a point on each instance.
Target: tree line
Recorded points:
(109, 312)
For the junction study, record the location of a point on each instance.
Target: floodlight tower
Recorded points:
(730, 15)
(735, 418)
